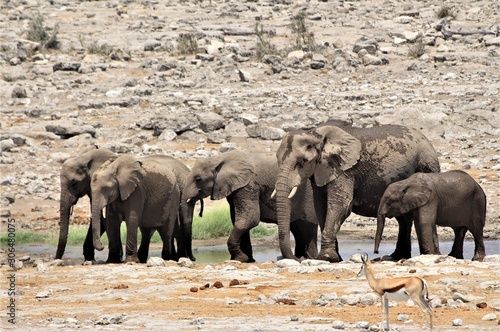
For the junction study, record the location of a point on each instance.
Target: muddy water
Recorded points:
(219, 253)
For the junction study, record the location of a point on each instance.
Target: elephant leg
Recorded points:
(339, 206)
(244, 217)
(306, 238)
(88, 244)
(166, 233)
(426, 233)
(457, 250)
(113, 223)
(143, 252)
(131, 246)
(479, 250)
(403, 244)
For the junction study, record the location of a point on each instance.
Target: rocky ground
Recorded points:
(121, 78)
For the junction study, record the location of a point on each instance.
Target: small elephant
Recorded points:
(145, 194)
(349, 169)
(451, 199)
(76, 174)
(247, 181)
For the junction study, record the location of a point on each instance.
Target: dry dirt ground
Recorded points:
(137, 297)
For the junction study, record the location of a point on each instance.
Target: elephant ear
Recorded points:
(415, 196)
(129, 174)
(340, 152)
(232, 172)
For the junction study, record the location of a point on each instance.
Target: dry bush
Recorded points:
(416, 50)
(187, 43)
(37, 32)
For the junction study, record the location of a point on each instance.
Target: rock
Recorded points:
(7, 144)
(19, 92)
(197, 321)
(185, 262)
(365, 43)
(44, 294)
(66, 66)
(155, 261)
(369, 299)
(491, 316)
(362, 325)
(297, 55)
(456, 322)
(403, 317)
(151, 45)
(265, 132)
(110, 319)
(244, 76)
(5, 213)
(284, 263)
(167, 135)
(492, 41)
(466, 298)
(210, 121)
(329, 297)
(249, 119)
(294, 318)
(338, 325)
(60, 157)
(67, 130)
(351, 299)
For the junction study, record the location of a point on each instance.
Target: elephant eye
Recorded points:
(197, 178)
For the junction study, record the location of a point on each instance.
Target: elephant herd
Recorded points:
(318, 177)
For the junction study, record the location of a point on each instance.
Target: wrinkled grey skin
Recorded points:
(247, 181)
(76, 174)
(144, 194)
(451, 199)
(349, 169)
(186, 209)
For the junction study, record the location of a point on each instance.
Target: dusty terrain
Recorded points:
(120, 80)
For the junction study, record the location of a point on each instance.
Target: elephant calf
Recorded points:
(450, 199)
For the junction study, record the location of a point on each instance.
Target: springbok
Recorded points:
(396, 289)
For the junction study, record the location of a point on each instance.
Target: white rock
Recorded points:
(491, 316)
(114, 93)
(185, 262)
(287, 263)
(456, 322)
(155, 261)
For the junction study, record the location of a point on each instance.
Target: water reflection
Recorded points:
(219, 253)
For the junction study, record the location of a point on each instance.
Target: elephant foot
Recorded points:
(329, 255)
(456, 255)
(478, 257)
(192, 258)
(132, 259)
(397, 255)
(89, 262)
(241, 257)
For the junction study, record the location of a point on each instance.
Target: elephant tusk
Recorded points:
(274, 193)
(104, 212)
(293, 192)
(71, 210)
(188, 200)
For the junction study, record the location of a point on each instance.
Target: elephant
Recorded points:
(453, 199)
(145, 194)
(76, 174)
(349, 169)
(186, 209)
(247, 181)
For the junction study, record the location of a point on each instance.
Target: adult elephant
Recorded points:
(247, 181)
(145, 194)
(186, 209)
(76, 174)
(349, 169)
(451, 199)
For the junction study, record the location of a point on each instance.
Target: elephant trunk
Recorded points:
(96, 224)
(66, 202)
(283, 205)
(380, 230)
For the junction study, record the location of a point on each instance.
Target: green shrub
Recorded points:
(264, 45)
(187, 43)
(37, 32)
(304, 39)
(445, 11)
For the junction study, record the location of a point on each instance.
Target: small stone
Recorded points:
(234, 282)
(197, 321)
(193, 289)
(155, 261)
(285, 301)
(338, 325)
(488, 317)
(217, 284)
(185, 262)
(456, 322)
(294, 318)
(482, 305)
